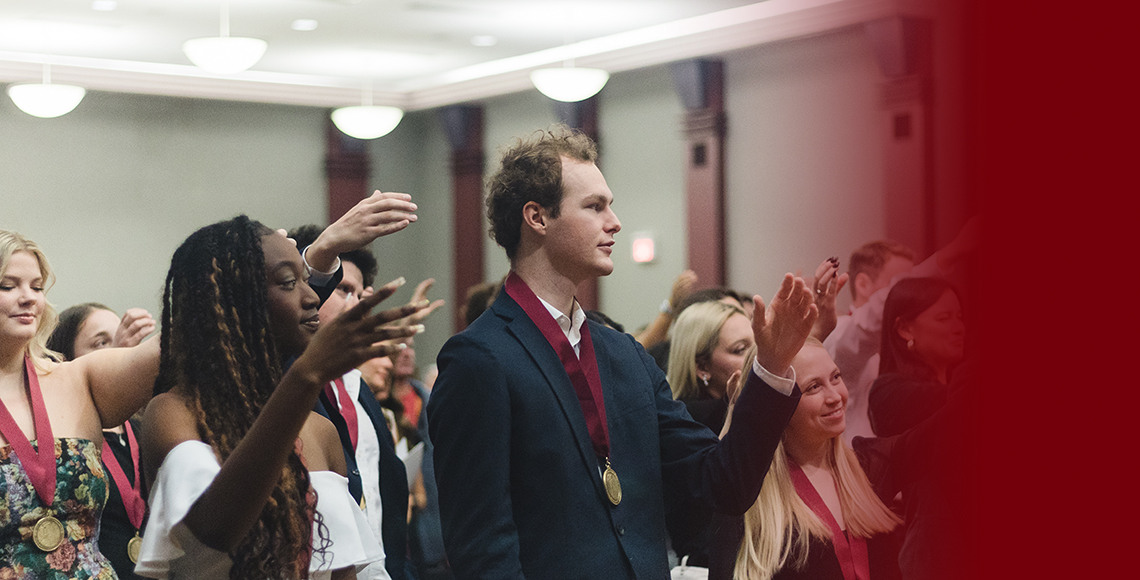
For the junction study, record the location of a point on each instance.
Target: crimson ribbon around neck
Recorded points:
(582, 370)
(344, 406)
(39, 464)
(851, 552)
(130, 493)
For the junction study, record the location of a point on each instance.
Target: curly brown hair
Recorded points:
(218, 347)
(531, 170)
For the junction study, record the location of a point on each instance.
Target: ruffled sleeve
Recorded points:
(352, 541)
(167, 543)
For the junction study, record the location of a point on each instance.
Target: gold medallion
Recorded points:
(48, 534)
(133, 547)
(613, 486)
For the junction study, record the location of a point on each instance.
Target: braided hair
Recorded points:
(217, 347)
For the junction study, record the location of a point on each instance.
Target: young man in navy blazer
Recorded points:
(557, 440)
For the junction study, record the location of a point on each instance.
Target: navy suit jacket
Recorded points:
(393, 479)
(520, 487)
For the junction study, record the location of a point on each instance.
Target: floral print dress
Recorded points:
(80, 493)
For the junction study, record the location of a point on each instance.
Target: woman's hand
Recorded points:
(826, 284)
(135, 325)
(356, 336)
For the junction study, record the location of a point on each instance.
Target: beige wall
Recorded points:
(111, 189)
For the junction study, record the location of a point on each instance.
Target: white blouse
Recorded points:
(170, 549)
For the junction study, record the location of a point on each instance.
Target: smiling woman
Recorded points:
(818, 514)
(51, 420)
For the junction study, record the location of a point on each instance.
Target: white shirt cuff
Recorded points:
(317, 277)
(785, 384)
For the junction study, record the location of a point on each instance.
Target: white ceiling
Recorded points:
(415, 53)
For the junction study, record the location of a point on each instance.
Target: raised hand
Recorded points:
(682, 287)
(379, 214)
(420, 295)
(781, 328)
(827, 284)
(356, 336)
(135, 325)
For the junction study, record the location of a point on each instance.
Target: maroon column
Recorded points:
(903, 49)
(347, 170)
(464, 127)
(583, 116)
(700, 84)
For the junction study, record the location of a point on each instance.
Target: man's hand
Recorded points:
(135, 325)
(781, 328)
(377, 215)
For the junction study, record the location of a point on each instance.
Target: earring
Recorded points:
(704, 379)
(910, 344)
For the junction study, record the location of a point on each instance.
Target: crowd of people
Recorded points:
(273, 421)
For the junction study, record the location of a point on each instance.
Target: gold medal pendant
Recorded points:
(613, 486)
(48, 534)
(133, 547)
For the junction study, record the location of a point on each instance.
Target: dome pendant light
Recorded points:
(46, 100)
(224, 54)
(367, 121)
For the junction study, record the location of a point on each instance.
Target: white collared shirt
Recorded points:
(571, 325)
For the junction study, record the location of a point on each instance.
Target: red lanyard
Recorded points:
(130, 493)
(583, 371)
(851, 553)
(38, 464)
(347, 408)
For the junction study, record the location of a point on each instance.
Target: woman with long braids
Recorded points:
(246, 481)
(52, 417)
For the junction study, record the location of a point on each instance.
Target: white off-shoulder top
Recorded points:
(170, 549)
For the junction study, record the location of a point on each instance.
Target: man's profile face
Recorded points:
(895, 266)
(580, 240)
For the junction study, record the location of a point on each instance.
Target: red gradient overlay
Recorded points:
(1051, 132)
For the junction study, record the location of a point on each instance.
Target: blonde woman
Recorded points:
(820, 513)
(52, 417)
(709, 342)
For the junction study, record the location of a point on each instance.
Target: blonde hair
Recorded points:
(693, 336)
(10, 243)
(779, 526)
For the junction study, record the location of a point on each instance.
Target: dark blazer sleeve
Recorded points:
(323, 408)
(469, 423)
(325, 290)
(724, 476)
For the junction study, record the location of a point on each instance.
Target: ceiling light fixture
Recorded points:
(224, 54)
(46, 100)
(569, 83)
(367, 121)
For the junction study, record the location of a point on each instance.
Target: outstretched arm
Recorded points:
(120, 380)
(232, 503)
(728, 476)
(377, 215)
